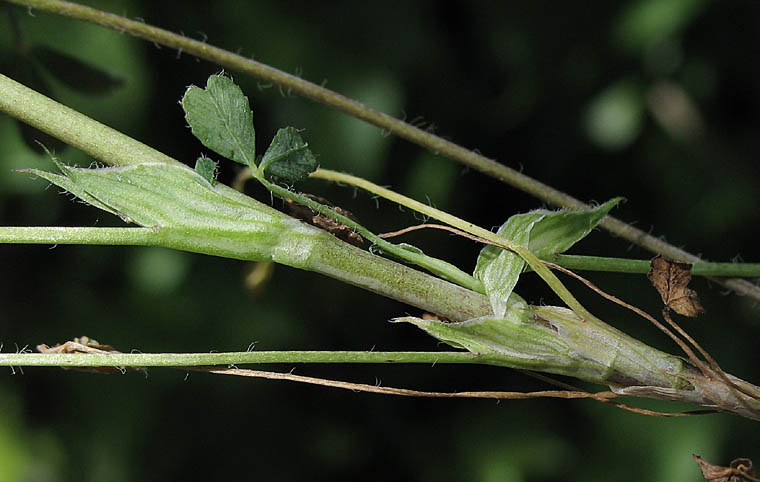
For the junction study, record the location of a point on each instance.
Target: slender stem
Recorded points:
(545, 273)
(77, 235)
(434, 265)
(384, 121)
(79, 131)
(229, 358)
(329, 255)
(641, 266)
(72, 127)
(349, 264)
(592, 263)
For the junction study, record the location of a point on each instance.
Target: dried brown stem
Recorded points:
(604, 397)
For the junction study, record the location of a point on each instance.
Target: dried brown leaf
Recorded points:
(671, 278)
(86, 345)
(434, 317)
(341, 231)
(739, 470)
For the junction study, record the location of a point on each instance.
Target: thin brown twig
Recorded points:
(405, 392)
(683, 333)
(604, 397)
(692, 356)
(713, 364)
(643, 411)
(443, 227)
(426, 139)
(689, 352)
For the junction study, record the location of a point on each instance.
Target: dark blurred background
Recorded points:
(657, 101)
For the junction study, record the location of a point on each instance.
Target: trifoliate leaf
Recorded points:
(544, 233)
(206, 168)
(288, 158)
(221, 118)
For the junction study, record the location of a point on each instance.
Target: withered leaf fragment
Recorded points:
(85, 344)
(434, 317)
(671, 278)
(739, 470)
(332, 226)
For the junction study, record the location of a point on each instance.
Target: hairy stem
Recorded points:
(77, 235)
(434, 265)
(72, 127)
(326, 254)
(593, 263)
(228, 358)
(384, 121)
(545, 273)
(303, 246)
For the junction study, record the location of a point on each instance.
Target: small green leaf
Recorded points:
(559, 230)
(288, 158)
(74, 73)
(206, 168)
(500, 269)
(544, 233)
(221, 118)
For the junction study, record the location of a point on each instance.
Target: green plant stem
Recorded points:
(228, 358)
(642, 266)
(592, 263)
(300, 246)
(77, 235)
(306, 247)
(384, 121)
(545, 273)
(434, 265)
(347, 263)
(113, 147)
(72, 127)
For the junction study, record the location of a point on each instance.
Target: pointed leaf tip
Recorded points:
(560, 230)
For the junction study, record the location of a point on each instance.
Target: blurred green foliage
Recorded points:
(563, 92)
